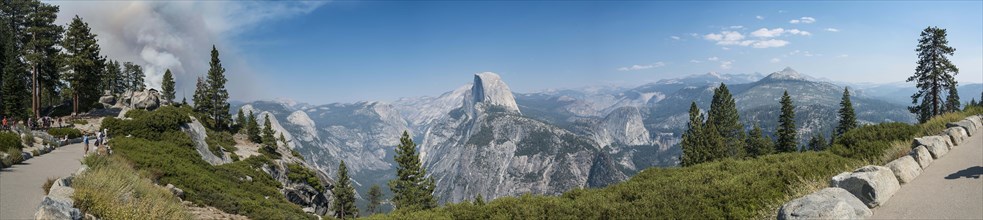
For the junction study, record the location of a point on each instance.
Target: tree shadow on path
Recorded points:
(972, 172)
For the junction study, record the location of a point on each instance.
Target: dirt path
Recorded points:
(20, 185)
(950, 188)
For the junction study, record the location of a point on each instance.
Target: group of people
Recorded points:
(99, 139)
(33, 123)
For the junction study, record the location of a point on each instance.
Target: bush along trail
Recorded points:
(925, 183)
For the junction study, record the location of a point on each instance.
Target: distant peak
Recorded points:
(789, 70)
(788, 74)
(489, 88)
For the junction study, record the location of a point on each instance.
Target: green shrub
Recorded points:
(62, 132)
(726, 189)
(220, 140)
(224, 187)
(870, 142)
(131, 197)
(14, 157)
(148, 125)
(9, 140)
(300, 173)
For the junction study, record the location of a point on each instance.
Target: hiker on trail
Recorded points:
(4, 123)
(98, 139)
(85, 138)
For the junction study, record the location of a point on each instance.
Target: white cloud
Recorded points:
(725, 48)
(798, 32)
(726, 64)
(775, 60)
(765, 33)
(695, 61)
(694, 35)
(674, 37)
(642, 67)
(759, 17)
(772, 33)
(713, 37)
(770, 43)
(843, 56)
(713, 58)
(161, 35)
(804, 20)
(736, 27)
(728, 38)
(832, 30)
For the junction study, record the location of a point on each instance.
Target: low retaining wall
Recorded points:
(851, 193)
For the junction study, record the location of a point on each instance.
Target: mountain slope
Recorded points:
(487, 147)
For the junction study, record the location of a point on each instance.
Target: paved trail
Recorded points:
(950, 188)
(20, 185)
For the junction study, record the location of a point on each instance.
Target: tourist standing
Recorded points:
(85, 139)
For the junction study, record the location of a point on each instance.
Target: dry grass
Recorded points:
(46, 187)
(111, 189)
(801, 188)
(897, 150)
(937, 124)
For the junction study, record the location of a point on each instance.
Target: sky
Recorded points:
(344, 51)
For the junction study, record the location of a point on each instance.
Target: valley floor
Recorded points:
(20, 185)
(951, 188)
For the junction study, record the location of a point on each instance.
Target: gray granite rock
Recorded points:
(829, 203)
(873, 185)
(922, 156)
(905, 168)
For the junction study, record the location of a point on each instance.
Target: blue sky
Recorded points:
(381, 50)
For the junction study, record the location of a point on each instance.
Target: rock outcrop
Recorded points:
(873, 185)
(197, 132)
(905, 169)
(489, 89)
(828, 203)
(922, 156)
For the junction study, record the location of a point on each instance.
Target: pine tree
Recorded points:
(412, 189)
(848, 120)
(167, 86)
(84, 64)
(283, 140)
(817, 142)
(715, 144)
(723, 114)
(952, 100)
(13, 73)
(252, 129)
(41, 52)
(693, 151)
(758, 144)
(241, 121)
(112, 78)
(375, 199)
(268, 134)
(344, 195)
(217, 94)
(14, 85)
(134, 76)
(786, 129)
(934, 74)
(200, 97)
